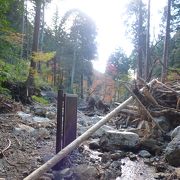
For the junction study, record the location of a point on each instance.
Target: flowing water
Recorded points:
(136, 170)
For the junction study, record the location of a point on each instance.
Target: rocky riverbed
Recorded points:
(27, 140)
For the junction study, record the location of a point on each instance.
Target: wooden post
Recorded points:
(59, 126)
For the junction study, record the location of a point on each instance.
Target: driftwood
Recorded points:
(149, 96)
(6, 148)
(3, 151)
(144, 108)
(129, 107)
(177, 93)
(129, 112)
(64, 152)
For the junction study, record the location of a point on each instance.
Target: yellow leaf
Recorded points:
(43, 57)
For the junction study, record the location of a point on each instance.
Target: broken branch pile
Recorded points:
(153, 101)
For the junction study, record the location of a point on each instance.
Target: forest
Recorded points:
(37, 56)
(38, 60)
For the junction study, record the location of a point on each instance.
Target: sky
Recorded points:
(109, 18)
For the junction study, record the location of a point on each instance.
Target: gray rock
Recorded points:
(144, 154)
(113, 140)
(172, 151)
(102, 131)
(40, 119)
(24, 116)
(40, 133)
(22, 128)
(40, 111)
(163, 122)
(116, 165)
(175, 132)
(118, 155)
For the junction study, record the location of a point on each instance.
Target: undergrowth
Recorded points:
(40, 100)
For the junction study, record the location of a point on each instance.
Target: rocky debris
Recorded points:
(110, 154)
(106, 156)
(24, 116)
(43, 133)
(161, 167)
(22, 128)
(117, 155)
(44, 111)
(85, 122)
(112, 170)
(40, 119)
(144, 154)
(112, 140)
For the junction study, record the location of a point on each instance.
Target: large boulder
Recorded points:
(172, 151)
(113, 139)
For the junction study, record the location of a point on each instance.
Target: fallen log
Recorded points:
(144, 108)
(129, 112)
(64, 152)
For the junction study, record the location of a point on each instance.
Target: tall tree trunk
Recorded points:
(30, 80)
(54, 70)
(147, 60)
(22, 31)
(82, 94)
(166, 44)
(73, 69)
(26, 32)
(41, 36)
(140, 54)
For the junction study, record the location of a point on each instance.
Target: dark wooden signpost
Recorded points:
(66, 122)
